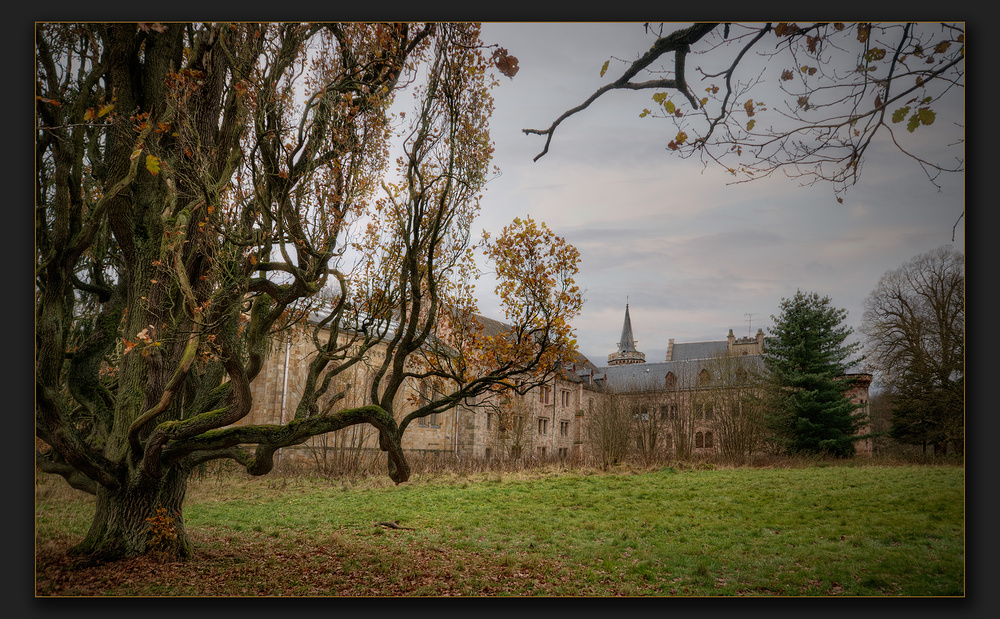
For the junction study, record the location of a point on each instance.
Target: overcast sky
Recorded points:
(693, 255)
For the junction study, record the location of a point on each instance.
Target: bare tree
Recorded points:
(610, 429)
(682, 397)
(914, 325)
(509, 430)
(737, 389)
(843, 89)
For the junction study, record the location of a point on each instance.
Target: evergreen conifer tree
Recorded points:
(807, 357)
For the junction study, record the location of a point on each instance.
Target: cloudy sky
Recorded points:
(693, 256)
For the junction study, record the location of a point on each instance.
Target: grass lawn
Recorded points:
(848, 530)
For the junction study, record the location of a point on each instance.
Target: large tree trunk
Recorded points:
(139, 517)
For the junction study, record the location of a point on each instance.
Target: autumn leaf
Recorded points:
(105, 110)
(156, 27)
(787, 75)
(153, 165)
(748, 106)
(874, 54)
(750, 125)
(604, 69)
(900, 114)
(785, 29)
(863, 31)
(506, 63)
(923, 116)
(89, 114)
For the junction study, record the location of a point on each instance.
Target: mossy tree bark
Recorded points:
(138, 517)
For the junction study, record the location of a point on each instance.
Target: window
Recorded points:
(433, 420)
(541, 452)
(708, 439)
(489, 453)
(709, 411)
(563, 452)
(422, 422)
(515, 451)
(671, 380)
(565, 398)
(699, 411)
(563, 428)
(489, 421)
(699, 440)
(543, 426)
(704, 377)
(640, 413)
(543, 394)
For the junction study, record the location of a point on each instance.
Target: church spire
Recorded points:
(627, 344)
(627, 353)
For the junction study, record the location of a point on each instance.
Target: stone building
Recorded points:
(548, 421)
(545, 422)
(686, 392)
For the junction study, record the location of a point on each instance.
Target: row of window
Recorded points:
(704, 378)
(543, 427)
(668, 412)
(430, 420)
(544, 393)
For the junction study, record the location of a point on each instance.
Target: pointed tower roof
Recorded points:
(627, 354)
(627, 343)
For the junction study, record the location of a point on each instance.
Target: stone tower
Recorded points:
(627, 354)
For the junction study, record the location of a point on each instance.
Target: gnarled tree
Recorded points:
(198, 185)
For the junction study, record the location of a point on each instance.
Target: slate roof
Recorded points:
(649, 376)
(698, 350)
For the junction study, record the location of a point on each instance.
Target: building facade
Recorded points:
(679, 405)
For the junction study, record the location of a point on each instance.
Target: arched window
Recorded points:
(708, 440)
(704, 377)
(671, 380)
(699, 440)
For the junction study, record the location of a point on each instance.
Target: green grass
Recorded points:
(830, 530)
